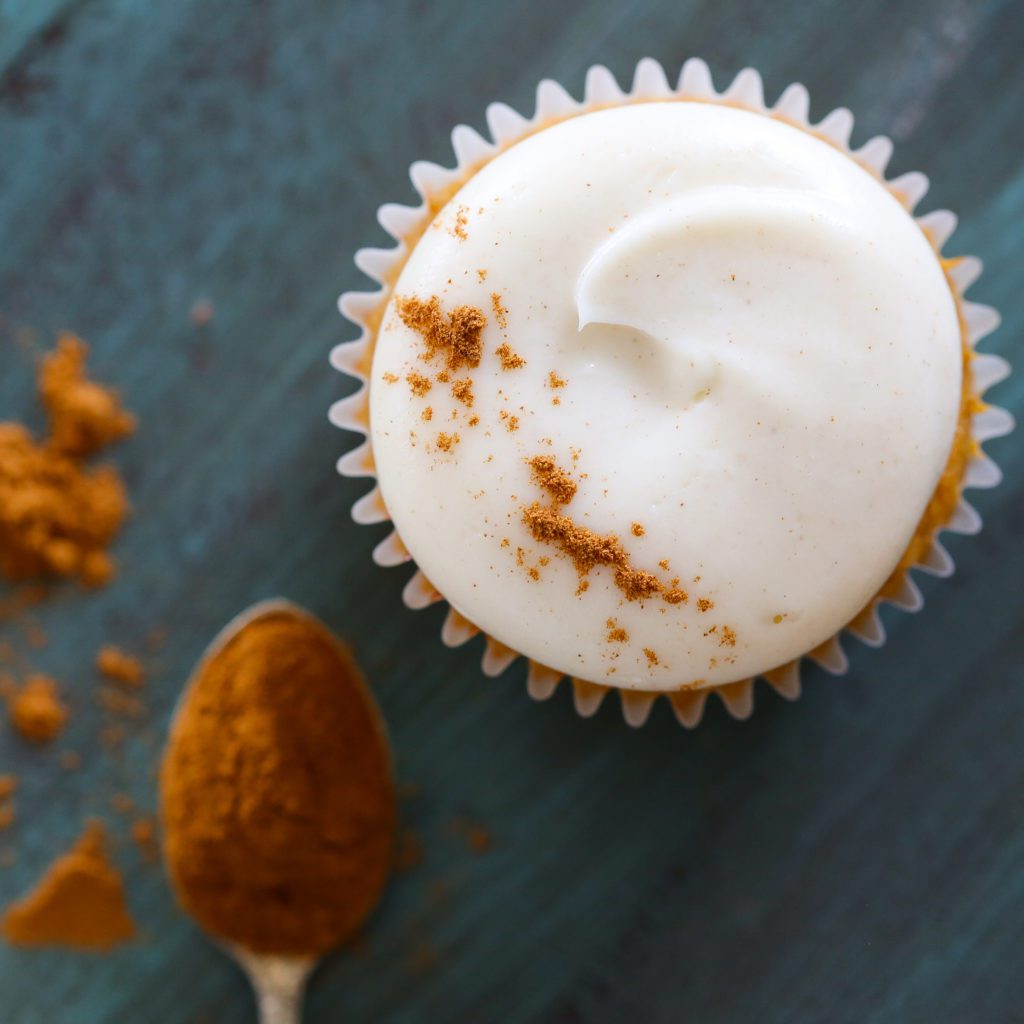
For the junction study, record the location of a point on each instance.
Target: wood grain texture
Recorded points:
(856, 856)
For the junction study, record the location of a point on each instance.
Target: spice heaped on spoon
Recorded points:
(278, 798)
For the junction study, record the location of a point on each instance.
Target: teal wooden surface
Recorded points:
(856, 856)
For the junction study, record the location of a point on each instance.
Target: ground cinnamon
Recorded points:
(119, 667)
(79, 902)
(278, 802)
(36, 710)
(57, 517)
(84, 416)
(455, 336)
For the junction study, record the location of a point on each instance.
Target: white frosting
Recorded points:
(762, 367)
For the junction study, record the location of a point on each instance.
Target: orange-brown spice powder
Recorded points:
(119, 666)
(57, 516)
(278, 803)
(78, 903)
(456, 337)
(36, 710)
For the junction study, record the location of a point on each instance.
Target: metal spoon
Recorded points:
(279, 982)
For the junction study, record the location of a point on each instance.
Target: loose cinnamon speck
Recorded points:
(554, 480)
(500, 311)
(456, 337)
(473, 421)
(554, 381)
(509, 359)
(36, 710)
(446, 442)
(728, 638)
(482, 274)
(651, 656)
(418, 384)
(616, 634)
(462, 391)
(704, 605)
(461, 219)
(119, 666)
(390, 378)
(637, 530)
(428, 414)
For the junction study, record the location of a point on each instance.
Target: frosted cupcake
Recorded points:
(666, 390)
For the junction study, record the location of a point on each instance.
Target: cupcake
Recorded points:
(666, 390)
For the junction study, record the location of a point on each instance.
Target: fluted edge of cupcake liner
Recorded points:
(435, 185)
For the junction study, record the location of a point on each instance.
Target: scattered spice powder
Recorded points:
(651, 656)
(36, 710)
(461, 220)
(446, 442)
(554, 480)
(500, 311)
(462, 391)
(390, 378)
(78, 903)
(457, 337)
(481, 274)
(119, 667)
(418, 384)
(554, 381)
(637, 530)
(616, 634)
(728, 637)
(588, 550)
(8, 786)
(278, 803)
(704, 605)
(509, 359)
(428, 414)
(84, 416)
(56, 517)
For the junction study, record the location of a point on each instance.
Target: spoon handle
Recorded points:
(279, 984)
(278, 1005)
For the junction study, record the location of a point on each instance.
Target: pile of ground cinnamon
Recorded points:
(277, 795)
(78, 903)
(58, 516)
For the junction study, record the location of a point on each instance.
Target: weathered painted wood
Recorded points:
(856, 856)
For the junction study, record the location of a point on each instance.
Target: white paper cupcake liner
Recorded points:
(436, 185)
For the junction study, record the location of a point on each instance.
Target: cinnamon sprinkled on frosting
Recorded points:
(616, 634)
(446, 442)
(587, 549)
(462, 391)
(555, 481)
(509, 359)
(456, 336)
(419, 384)
(500, 311)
